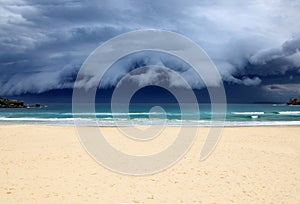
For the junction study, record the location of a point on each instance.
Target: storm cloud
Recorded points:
(43, 44)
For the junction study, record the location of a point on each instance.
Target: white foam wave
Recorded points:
(36, 119)
(124, 114)
(248, 113)
(126, 122)
(289, 112)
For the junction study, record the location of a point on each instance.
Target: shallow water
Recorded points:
(145, 114)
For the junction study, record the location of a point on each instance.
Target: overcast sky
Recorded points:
(254, 44)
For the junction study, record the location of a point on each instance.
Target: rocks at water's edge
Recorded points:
(8, 103)
(294, 101)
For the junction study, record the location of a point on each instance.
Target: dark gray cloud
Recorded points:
(285, 51)
(43, 44)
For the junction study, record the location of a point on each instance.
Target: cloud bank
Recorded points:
(43, 44)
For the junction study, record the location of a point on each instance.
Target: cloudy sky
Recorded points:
(254, 44)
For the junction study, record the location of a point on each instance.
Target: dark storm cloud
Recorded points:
(43, 44)
(287, 52)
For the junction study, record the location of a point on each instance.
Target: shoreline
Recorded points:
(171, 126)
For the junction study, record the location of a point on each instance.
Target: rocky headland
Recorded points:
(294, 101)
(9, 103)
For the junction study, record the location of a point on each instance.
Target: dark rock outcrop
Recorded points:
(7, 103)
(35, 106)
(294, 101)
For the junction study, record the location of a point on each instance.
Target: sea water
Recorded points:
(142, 114)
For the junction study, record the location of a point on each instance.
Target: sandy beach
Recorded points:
(47, 164)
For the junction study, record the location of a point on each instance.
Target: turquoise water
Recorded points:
(236, 115)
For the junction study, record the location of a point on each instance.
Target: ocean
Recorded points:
(236, 115)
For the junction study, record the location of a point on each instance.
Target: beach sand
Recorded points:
(47, 164)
